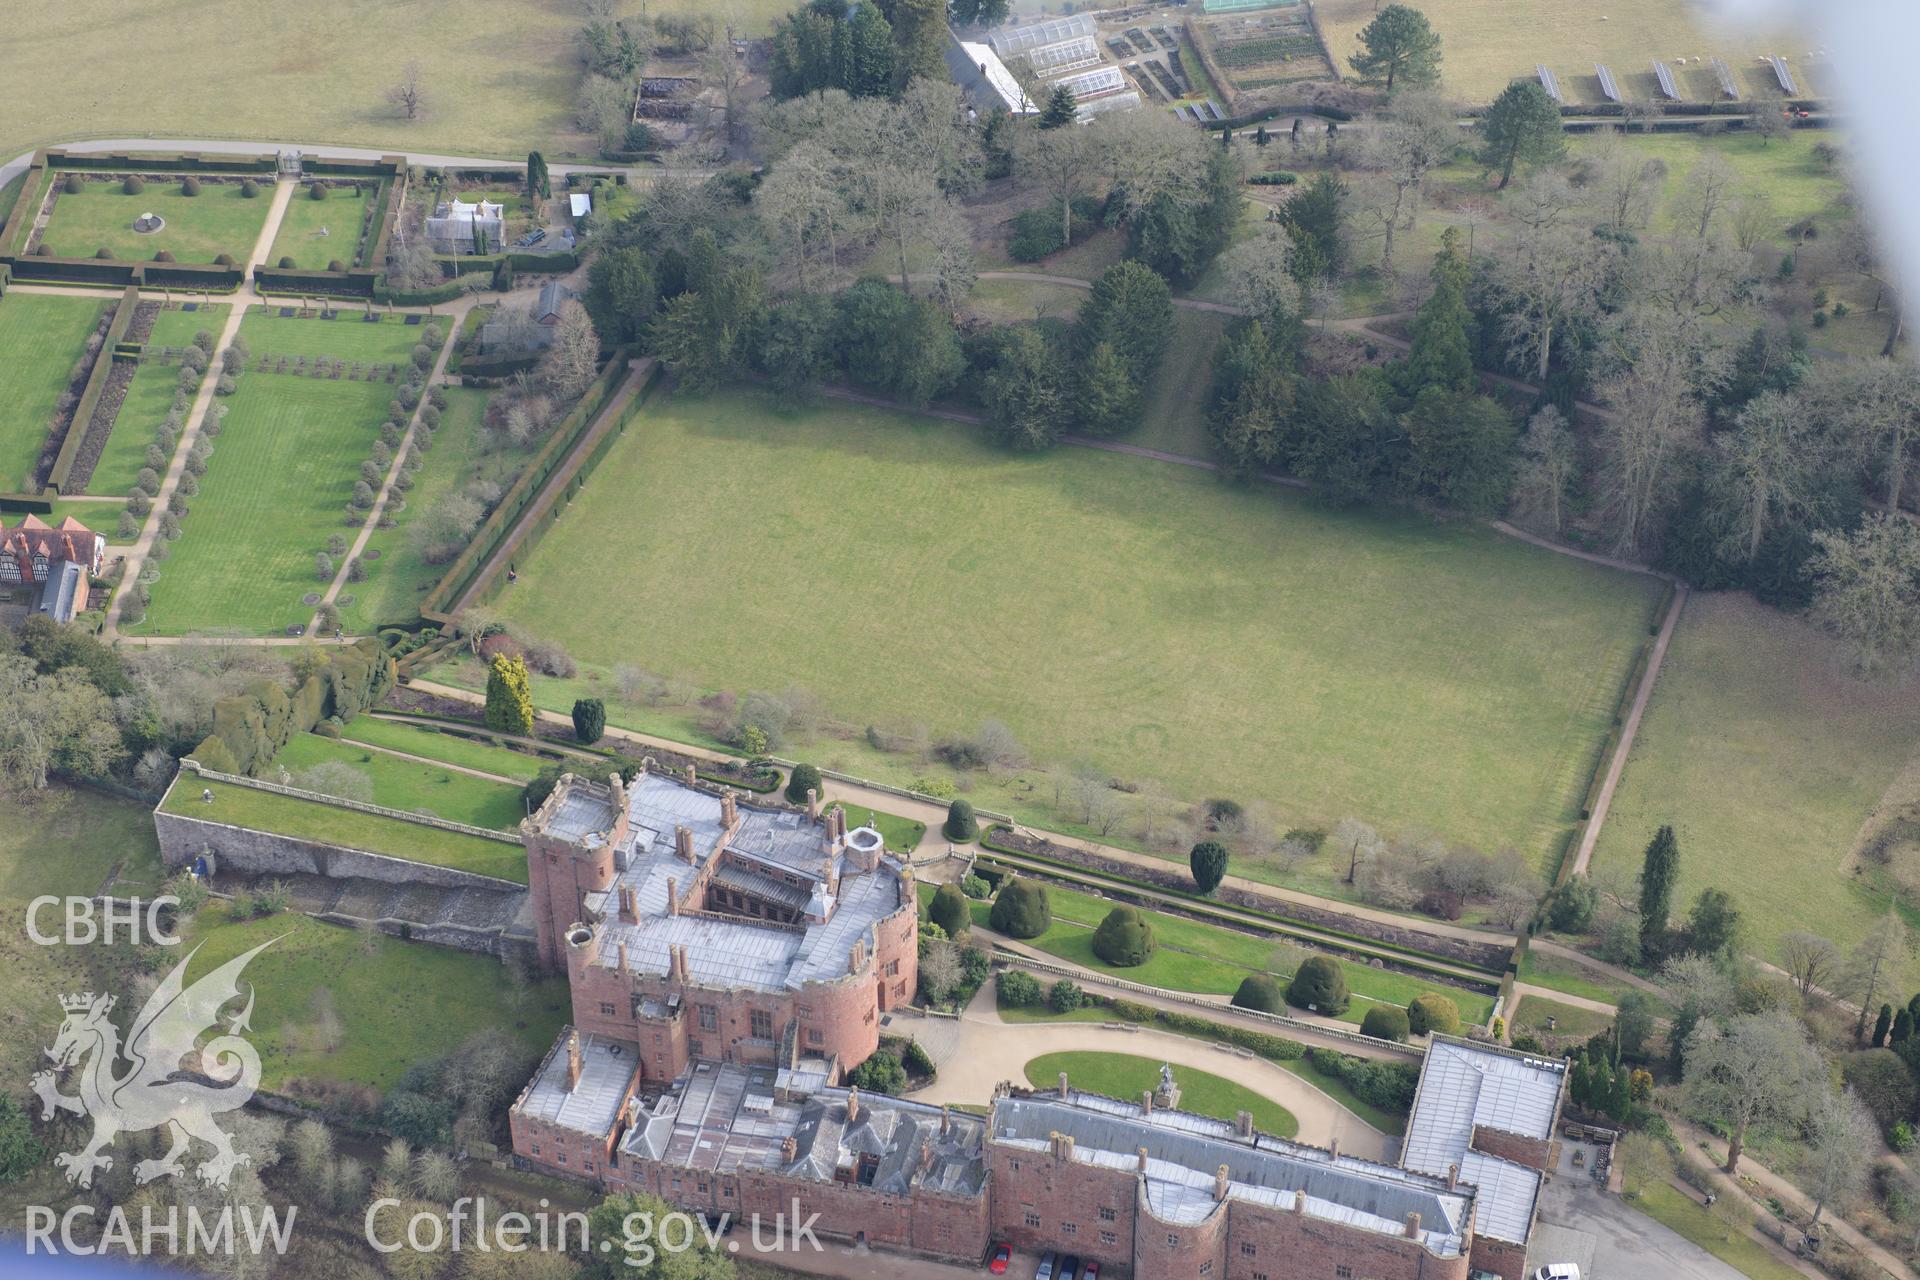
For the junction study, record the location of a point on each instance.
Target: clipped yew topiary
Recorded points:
(104, 253)
(72, 185)
(1319, 986)
(248, 189)
(960, 825)
(805, 778)
(222, 259)
(1385, 1022)
(949, 910)
(1208, 862)
(1260, 991)
(287, 263)
(190, 186)
(334, 264)
(1124, 938)
(317, 191)
(1433, 1012)
(1020, 909)
(133, 186)
(589, 720)
(165, 255)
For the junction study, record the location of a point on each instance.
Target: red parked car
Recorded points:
(1002, 1255)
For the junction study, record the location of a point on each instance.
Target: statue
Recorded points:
(1168, 1094)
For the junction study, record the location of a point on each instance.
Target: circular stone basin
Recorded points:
(866, 839)
(148, 223)
(312, 597)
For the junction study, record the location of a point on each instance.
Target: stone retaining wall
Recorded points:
(183, 838)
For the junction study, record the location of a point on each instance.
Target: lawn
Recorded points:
(198, 228)
(1752, 705)
(1176, 417)
(397, 574)
(499, 75)
(276, 487)
(149, 399)
(1122, 1075)
(337, 1005)
(338, 216)
(1486, 43)
(1570, 1022)
(1209, 960)
(370, 832)
(42, 337)
(452, 748)
(409, 785)
(347, 336)
(1560, 974)
(1141, 616)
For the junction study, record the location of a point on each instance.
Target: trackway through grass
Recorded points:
(1145, 617)
(41, 335)
(1767, 759)
(1124, 1076)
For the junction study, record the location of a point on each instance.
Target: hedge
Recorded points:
(25, 205)
(428, 297)
(457, 265)
(358, 283)
(250, 727)
(163, 161)
(508, 512)
(90, 395)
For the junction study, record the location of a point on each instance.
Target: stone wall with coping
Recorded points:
(184, 838)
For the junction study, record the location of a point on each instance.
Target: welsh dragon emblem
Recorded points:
(156, 1088)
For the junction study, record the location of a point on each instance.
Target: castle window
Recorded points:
(1108, 1215)
(893, 968)
(696, 1049)
(1206, 1268)
(561, 1157)
(1069, 1228)
(606, 1009)
(761, 1023)
(1107, 1237)
(1033, 1219)
(1173, 1241)
(1247, 1249)
(1343, 1273)
(709, 1018)
(588, 1166)
(536, 1148)
(814, 1036)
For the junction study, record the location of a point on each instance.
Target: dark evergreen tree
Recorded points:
(1208, 863)
(1902, 1027)
(795, 347)
(1349, 441)
(1442, 354)
(1659, 869)
(1314, 219)
(1399, 47)
(1020, 909)
(1458, 452)
(961, 826)
(539, 185)
(949, 910)
(805, 778)
(867, 68)
(621, 296)
(1252, 399)
(589, 720)
(1713, 925)
(1025, 387)
(1521, 127)
(1882, 1025)
(1124, 938)
(1062, 108)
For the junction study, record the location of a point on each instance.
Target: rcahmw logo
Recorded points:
(146, 1084)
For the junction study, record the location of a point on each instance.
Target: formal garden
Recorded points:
(203, 217)
(149, 399)
(326, 232)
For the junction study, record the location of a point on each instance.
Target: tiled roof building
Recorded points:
(56, 560)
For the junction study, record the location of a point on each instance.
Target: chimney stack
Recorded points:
(629, 908)
(683, 843)
(573, 1061)
(1453, 1176)
(1243, 1123)
(853, 1106)
(729, 809)
(1413, 1226)
(946, 1120)
(813, 804)
(691, 775)
(673, 896)
(623, 957)
(1063, 1086)
(677, 962)
(1146, 1102)
(618, 786)
(1141, 1152)
(789, 1150)
(926, 1155)
(1220, 1181)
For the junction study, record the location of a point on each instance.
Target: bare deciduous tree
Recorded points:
(1551, 275)
(1705, 193)
(1809, 959)
(1547, 461)
(1758, 1068)
(1657, 420)
(1840, 1141)
(408, 95)
(1624, 183)
(570, 363)
(1868, 968)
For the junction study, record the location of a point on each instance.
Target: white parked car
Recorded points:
(1558, 1271)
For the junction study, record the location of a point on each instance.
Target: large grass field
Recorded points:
(1122, 1075)
(1767, 759)
(499, 75)
(371, 832)
(1141, 616)
(1487, 43)
(409, 785)
(398, 575)
(277, 485)
(338, 216)
(1190, 955)
(199, 228)
(41, 336)
(149, 398)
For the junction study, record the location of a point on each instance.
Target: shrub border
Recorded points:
(90, 396)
